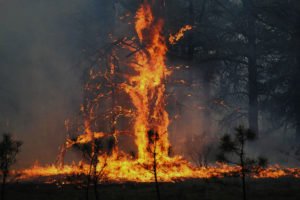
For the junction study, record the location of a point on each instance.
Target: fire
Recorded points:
(146, 87)
(124, 170)
(175, 38)
(89, 136)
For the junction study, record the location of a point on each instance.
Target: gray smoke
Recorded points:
(39, 75)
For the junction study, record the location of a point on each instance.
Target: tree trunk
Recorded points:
(96, 188)
(113, 66)
(3, 185)
(243, 171)
(296, 42)
(155, 172)
(253, 93)
(297, 109)
(252, 69)
(298, 133)
(244, 184)
(87, 188)
(88, 180)
(157, 186)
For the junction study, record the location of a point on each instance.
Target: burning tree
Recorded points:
(9, 148)
(127, 81)
(143, 86)
(235, 148)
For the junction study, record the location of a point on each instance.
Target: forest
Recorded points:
(152, 99)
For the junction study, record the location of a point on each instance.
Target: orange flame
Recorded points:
(146, 87)
(125, 170)
(173, 39)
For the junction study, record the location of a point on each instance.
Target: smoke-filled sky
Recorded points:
(43, 45)
(40, 86)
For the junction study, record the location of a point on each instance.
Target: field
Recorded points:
(212, 189)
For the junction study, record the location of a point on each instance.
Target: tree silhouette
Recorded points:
(9, 148)
(91, 153)
(232, 150)
(153, 137)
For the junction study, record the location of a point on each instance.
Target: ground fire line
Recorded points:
(146, 88)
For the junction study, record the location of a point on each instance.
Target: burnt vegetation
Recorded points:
(238, 63)
(96, 169)
(9, 148)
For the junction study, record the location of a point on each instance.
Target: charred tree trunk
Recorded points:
(88, 182)
(297, 104)
(113, 66)
(298, 131)
(4, 176)
(297, 81)
(243, 170)
(94, 164)
(155, 172)
(292, 95)
(91, 171)
(252, 68)
(96, 185)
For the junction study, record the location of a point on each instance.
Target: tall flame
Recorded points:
(146, 88)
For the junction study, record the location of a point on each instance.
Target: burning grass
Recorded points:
(145, 86)
(135, 171)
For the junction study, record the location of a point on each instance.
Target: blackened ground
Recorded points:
(212, 189)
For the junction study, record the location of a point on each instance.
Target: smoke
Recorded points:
(41, 44)
(191, 132)
(40, 86)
